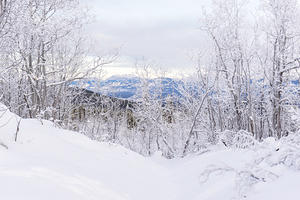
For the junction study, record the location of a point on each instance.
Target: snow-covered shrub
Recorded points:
(244, 179)
(287, 153)
(226, 137)
(294, 123)
(241, 139)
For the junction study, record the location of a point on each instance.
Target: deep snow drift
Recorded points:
(50, 163)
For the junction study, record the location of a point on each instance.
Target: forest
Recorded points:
(245, 87)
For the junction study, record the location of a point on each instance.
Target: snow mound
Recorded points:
(8, 126)
(50, 163)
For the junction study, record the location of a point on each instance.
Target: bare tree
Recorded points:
(281, 36)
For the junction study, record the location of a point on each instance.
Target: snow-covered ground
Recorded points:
(50, 163)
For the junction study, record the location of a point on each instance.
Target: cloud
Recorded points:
(162, 30)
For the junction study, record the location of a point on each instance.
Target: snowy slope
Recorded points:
(50, 163)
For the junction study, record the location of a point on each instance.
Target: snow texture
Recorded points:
(50, 163)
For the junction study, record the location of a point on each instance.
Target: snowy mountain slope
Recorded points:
(50, 163)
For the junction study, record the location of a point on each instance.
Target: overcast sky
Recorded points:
(164, 31)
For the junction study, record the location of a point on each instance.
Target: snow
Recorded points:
(50, 163)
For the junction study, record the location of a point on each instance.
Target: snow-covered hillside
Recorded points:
(51, 163)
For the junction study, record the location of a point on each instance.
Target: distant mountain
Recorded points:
(130, 87)
(127, 87)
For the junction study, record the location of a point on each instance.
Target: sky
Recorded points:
(164, 32)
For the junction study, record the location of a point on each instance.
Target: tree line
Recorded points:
(245, 84)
